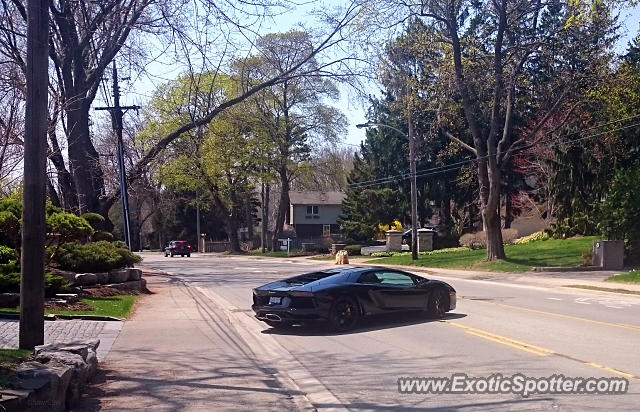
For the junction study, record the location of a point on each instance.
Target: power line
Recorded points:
(450, 167)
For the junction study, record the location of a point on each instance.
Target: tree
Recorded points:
(293, 111)
(504, 59)
(221, 160)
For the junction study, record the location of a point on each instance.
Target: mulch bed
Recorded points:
(104, 292)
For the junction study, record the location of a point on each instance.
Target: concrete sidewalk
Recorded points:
(179, 352)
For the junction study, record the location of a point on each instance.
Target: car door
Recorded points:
(399, 291)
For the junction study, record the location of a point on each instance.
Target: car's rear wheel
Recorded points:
(438, 302)
(344, 314)
(189, 255)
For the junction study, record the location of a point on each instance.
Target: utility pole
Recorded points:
(31, 329)
(198, 222)
(116, 120)
(414, 188)
(412, 176)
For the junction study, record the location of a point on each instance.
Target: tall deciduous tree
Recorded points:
(294, 111)
(505, 59)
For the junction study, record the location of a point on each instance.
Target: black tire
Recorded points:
(189, 255)
(344, 314)
(438, 302)
(165, 254)
(172, 255)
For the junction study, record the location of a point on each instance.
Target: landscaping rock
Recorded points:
(79, 347)
(80, 356)
(134, 274)
(131, 285)
(9, 300)
(85, 279)
(118, 276)
(68, 297)
(68, 276)
(14, 399)
(49, 384)
(103, 278)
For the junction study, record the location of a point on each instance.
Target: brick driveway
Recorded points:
(65, 331)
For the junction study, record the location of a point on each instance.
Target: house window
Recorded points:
(326, 230)
(313, 211)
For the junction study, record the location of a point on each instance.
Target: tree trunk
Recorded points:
(283, 207)
(495, 248)
(68, 195)
(508, 212)
(232, 229)
(83, 158)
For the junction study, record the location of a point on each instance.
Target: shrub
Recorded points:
(102, 235)
(587, 258)
(99, 256)
(11, 267)
(95, 220)
(473, 240)
(534, 237)
(382, 254)
(354, 250)
(7, 254)
(10, 283)
(478, 240)
(68, 226)
(54, 284)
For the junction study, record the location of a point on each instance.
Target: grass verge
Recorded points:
(615, 290)
(631, 277)
(520, 258)
(276, 254)
(115, 306)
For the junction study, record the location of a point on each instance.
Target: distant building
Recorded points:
(315, 214)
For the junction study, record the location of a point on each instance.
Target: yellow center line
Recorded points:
(534, 349)
(562, 315)
(527, 347)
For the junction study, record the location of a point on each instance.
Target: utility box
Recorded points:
(608, 254)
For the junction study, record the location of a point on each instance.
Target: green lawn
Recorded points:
(631, 277)
(520, 258)
(114, 306)
(276, 254)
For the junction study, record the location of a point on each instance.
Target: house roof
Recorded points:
(316, 198)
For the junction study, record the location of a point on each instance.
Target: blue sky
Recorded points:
(138, 92)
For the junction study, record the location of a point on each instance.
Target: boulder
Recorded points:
(49, 384)
(68, 297)
(9, 300)
(102, 278)
(85, 279)
(80, 370)
(79, 347)
(134, 274)
(118, 276)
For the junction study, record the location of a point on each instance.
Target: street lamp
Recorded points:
(412, 175)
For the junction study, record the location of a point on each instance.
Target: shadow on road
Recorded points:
(368, 324)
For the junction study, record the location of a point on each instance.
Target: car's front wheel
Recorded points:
(438, 302)
(344, 314)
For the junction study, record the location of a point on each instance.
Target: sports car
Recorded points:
(343, 296)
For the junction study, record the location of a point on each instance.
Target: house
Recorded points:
(315, 214)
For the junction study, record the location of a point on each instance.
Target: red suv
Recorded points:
(178, 247)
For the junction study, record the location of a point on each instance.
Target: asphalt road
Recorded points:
(496, 328)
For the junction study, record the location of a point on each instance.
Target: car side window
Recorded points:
(394, 278)
(369, 277)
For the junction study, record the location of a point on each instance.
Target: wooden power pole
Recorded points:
(116, 119)
(34, 184)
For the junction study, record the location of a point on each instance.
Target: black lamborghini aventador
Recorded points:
(344, 295)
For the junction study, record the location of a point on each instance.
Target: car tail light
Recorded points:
(301, 294)
(188, 246)
(173, 247)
